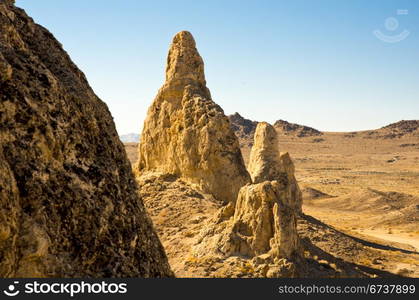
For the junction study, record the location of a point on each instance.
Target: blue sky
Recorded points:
(312, 62)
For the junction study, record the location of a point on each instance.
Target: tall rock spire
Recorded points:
(264, 162)
(184, 63)
(267, 163)
(186, 133)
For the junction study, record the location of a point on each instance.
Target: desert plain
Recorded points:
(360, 197)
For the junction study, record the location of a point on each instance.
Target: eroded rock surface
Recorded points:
(186, 134)
(267, 163)
(262, 223)
(69, 204)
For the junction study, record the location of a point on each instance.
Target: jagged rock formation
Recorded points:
(262, 222)
(267, 163)
(178, 212)
(186, 134)
(69, 204)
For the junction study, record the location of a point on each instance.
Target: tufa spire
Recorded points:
(183, 61)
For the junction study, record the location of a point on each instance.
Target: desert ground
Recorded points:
(360, 200)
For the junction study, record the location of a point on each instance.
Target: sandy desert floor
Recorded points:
(366, 185)
(367, 188)
(359, 190)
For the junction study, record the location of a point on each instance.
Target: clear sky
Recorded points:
(312, 62)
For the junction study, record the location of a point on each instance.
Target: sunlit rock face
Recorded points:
(262, 223)
(186, 134)
(267, 163)
(69, 203)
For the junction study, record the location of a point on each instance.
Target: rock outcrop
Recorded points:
(262, 223)
(266, 163)
(186, 134)
(69, 204)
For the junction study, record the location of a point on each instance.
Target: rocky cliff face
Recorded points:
(186, 134)
(262, 223)
(69, 206)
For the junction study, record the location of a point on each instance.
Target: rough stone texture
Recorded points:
(68, 199)
(265, 221)
(178, 212)
(264, 162)
(186, 134)
(262, 223)
(267, 163)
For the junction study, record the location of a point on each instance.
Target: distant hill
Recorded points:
(130, 138)
(245, 129)
(403, 128)
(295, 129)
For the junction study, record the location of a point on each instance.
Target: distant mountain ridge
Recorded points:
(296, 129)
(405, 125)
(245, 129)
(400, 129)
